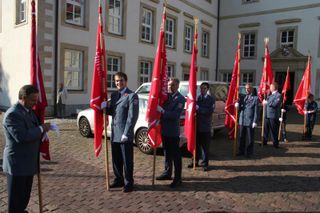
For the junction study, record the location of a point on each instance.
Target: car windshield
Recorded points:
(144, 89)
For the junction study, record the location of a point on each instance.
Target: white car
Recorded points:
(85, 125)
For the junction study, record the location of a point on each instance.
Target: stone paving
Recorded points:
(274, 180)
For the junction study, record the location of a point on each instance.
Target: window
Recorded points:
(115, 16)
(204, 75)
(145, 71)
(246, 78)
(73, 69)
(249, 45)
(188, 33)
(286, 38)
(205, 44)
(171, 71)
(75, 12)
(226, 77)
(113, 66)
(249, 1)
(170, 30)
(146, 30)
(21, 11)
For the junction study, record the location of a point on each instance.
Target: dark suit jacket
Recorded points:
(204, 113)
(23, 136)
(248, 109)
(273, 106)
(170, 119)
(124, 112)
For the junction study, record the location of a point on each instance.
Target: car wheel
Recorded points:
(84, 127)
(142, 141)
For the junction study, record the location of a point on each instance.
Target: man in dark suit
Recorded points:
(170, 132)
(271, 119)
(205, 107)
(23, 133)
(248, 116)
(124, 109)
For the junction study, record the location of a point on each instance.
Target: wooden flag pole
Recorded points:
(280, 127)
(236, 121)
(105, 123)
(39, 189)
(154, 156)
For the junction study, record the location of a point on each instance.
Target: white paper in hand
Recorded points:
(54, 127)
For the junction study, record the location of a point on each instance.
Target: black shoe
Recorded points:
(204, 168)
(276, 146)
(127, 189)
(116, 185)
(164, 177)
(248, 155)
(190, 165)
(240, 153)
(176, 183)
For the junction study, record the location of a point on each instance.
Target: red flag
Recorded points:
(286, 86)
(159, 88)
(99, 91)
(37, 81)
(190, 119)
(304, 89)
(232, 98)
(267, 75)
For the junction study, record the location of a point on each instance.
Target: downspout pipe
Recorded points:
(55, 64)
(218, 38)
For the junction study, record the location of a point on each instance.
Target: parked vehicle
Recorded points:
(217, 89)
(86, 127)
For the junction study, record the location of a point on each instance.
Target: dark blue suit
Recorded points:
(206, 106)
(248, 114)
(271, 119)
(21, 154)
(124, 110)
(170, 131)
(310, 118)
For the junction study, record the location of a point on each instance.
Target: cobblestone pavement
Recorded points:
(274, 180)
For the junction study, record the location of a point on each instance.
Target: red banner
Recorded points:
(267, 76)
(232, 98)
(99, 91)
(159, 88)
(190, 119)
(286, 86)
(304, 89)
(37, 81)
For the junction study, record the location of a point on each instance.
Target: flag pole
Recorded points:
(196, 22)
(157, 125)
(283, 101)
(39, 190)
(266, 41)
(105, 123)
(236, 121)
(154, 156)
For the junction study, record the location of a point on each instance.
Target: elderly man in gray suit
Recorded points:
(23, 133)
(124, 109)
(170, 132)
(271, 119)
(248, 116)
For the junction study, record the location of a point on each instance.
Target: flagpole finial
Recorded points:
(266, 40)
(239, 36)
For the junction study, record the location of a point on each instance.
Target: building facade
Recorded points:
(293, 29)
(66, 43)
(67, 33)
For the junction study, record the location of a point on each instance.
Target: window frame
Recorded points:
(188, 39)
(282, 29)
(84, 72)
(243, 45)
(204, 74)
(243, 81)
(142, 75)
(227, 75)
(207, 44)
(82, 15)
(173, 33)
(18, 20)
(86, 16)
(119, 17)
(153, 23)
(121, 57)
(173, 71)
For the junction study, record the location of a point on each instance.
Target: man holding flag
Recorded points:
(170, 132)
